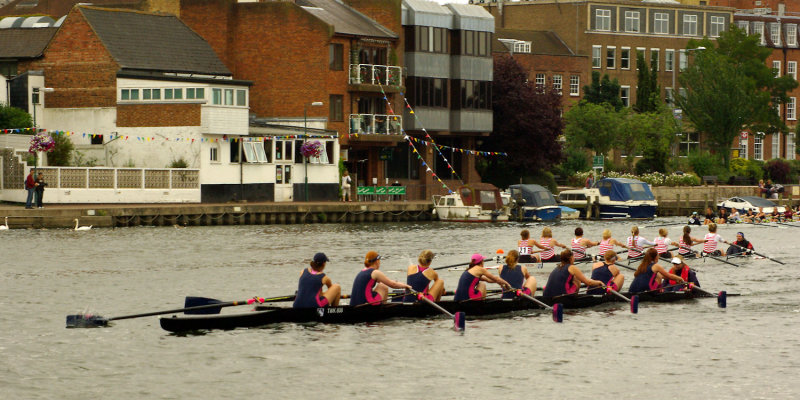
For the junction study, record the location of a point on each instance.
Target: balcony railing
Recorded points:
(368, 74)
(375, 124)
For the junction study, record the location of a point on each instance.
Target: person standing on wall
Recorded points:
(346, 186)
(30, 186)
(40, 184)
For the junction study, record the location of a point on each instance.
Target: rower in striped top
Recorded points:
(525, 247)
(548, 244)
(686, 242)
(662, 243)
(608, 243)
(580, 244)
(636, 244)
(711, 241)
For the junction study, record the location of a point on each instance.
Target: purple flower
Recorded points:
(311, 149)
(41, 142)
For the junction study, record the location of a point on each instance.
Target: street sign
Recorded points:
(677, 113)
(597, 162)
(364, 190)
(744, 134)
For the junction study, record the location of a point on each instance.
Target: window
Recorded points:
(758, 29)
(625, 95)
(669, 60)
(611, 57)
(791, 108)
(557, 83)
(574, 85)
(216, 96)
(668, 96)
(758, 151)
(775, 33)
(776, 66)
(690, 25)
(791, 35)
(283, 150)
(228, 97)
(661, 23)
(522, 47)
(336, 112)
(655, 58)
(631, 21)
(323, 156)
(745, 26)
(717, 26)
(776, 145)
(689, 143)
(540, 80)
(241, 98)
(214, 153)
(790, 149)
(743, 148)
(642, 51)
(476, 95)
(129, 94)
(336, 56)
(602, 20)
(625, 58)
(683, 62)
(596, 50)
(791, 69)
(195, 93)
(146, 93)
(428, 92)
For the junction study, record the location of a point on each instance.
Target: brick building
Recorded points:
(19, 45)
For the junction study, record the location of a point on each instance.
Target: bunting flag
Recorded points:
(145, 139)
(462, 151)
(22, 130)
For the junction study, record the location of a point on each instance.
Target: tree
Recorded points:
(14, 118)
(729, 87)
(592, 126)
(603, 91)
(62, 152)
(648, 92)
(527, 122)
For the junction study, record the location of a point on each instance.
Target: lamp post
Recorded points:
(305, 139)
(35, 100)
(675, 111)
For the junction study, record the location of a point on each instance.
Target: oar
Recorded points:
(557, 308)
(192, 302)
(437, 268)
(759, 254)
(94, 321)
(459, 322)
(722, 297)
(633, 301)
(672, 223)
(719, 259)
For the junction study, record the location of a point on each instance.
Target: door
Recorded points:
(283, 170)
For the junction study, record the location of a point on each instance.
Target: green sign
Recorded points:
(365, 190)
(381, 190)
(397, 190)
(597, 162)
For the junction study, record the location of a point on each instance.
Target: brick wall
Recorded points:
(146, 115)
(77, 66)
(550, 65)
(386, 13)
(211, 19)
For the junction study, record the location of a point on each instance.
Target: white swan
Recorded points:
(81, 228)
(4, 227)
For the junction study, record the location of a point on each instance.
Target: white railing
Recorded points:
(369, 74)
(375, 124)
(120, 178)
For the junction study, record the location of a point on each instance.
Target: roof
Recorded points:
(346, 20)
(427, 6)
(58, 8)
(24, 42)
(150, 42)
(542, 42)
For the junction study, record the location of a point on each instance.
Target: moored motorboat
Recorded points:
(474, 203)
(533, 203)
(612, 198)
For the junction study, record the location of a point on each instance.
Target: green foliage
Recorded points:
(14, 118)
(655, 160)
(648, 92)
(80, 160)
(704, 163)
(592, 126)
(603, 91)
(652, 179)
(179, 163)
(62, 151)
(778, 170)
(752, 169)
(544, 178)
(575, 160)
(652, 134)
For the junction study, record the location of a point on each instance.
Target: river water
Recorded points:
(691, 350)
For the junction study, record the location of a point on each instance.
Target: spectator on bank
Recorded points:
(589, 181)
(346, 186)
(30, 186)
(761, 189)
(40, 184)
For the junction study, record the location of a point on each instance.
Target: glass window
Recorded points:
(791, 35)
(758, 29)
(336, 112)
(241, 98)
(540, 80)
(557, 83)
(690, 25)
(522, 47)
(745, 26)
(717, 26)
(655, 58)
(669, 59)
(776, 67)
(775, 33)
(323, 156)
(625, 95)
(145, 94)
(776, 145)
(336, 56)
(214, 154)
(156, 93)
(631, 21)
(190, 93)
(249, 154)
(167, 94)
(178, 93)
(216, 95)
(134, 94)
(791, 69)
(758, 150)
(625, 58)
(611, 57)
(125, 95)
(791, 105)
(683, 61)
(596, 51)
(200, 93)
(228, 97)
(668, 93)
(422, 38)
(661, 23)
(602, 20)
(790, 148)
(574, 85)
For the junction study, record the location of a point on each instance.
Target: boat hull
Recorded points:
(549, 213)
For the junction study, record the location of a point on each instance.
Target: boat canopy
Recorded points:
(621, 189)
(534, 195)
(485, 195)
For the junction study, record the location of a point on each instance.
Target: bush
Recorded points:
(704, 163)
(652, 179)
(653, 161)
(62, 151)
(14, 118)
(544, 178)
(575, 160)
(179, 163)
(778, 170)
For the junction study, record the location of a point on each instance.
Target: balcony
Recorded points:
(375, 124)
(368, 77)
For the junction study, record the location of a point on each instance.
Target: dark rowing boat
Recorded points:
(266, 315)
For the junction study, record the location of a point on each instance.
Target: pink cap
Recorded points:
(477, 259)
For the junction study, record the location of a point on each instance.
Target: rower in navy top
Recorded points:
(566, 277)
(681, 269)
(605, 271)
(421, 275)
(371, 286)
(649, 274)
(309, 289)
(471, 286)
(517, 276)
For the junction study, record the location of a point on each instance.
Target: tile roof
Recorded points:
(542, 42)
(345, 19)
(24, 42)
(58, 8)
(142, 41)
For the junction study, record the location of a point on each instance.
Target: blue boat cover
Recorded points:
(621, 189)
(534, 195)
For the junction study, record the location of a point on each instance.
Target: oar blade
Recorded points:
(459, 321)
(635, 304)
(722, 299)
(194, 301)
(86, 321)
(558, 312)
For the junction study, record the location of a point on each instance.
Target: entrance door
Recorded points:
(283, 182)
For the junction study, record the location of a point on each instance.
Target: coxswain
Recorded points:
(580, 244)
(686, 242)
(566, 278)
(680, 268)
(608, 243)
(741, 245)
(711, 240)
(694, 219)
(525, 247)
(421, 275)
(662, 242)
(470, 284)
(371, 286)
(606, 271)
(517, 276)
(309, 289)
(649, 274)
(548, 245)
(636, 243)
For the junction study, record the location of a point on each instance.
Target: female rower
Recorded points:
(760, 216)
(711, 240)
(686, 242)
(775, 216)
(710, 216)
(636, 244)
(741, 245)
(723, 216)
(580, 244)
(608, 243)
(788, 215)
(606, 271)
(517, 276)
(649, 274)
(566, 277)
(470, 286)
(749, 217)
(662, 242)
(309, 289)
(371, 286)
(421, 275)
(680, 268)
(548, 244)
(525, 246)
(735, 216)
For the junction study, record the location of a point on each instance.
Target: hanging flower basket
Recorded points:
(41, 142)
(311, 149)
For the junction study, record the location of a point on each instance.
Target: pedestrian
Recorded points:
(346, 186)
(589, 182)
(30, 186)
(40, 184)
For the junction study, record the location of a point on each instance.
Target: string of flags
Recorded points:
(144, 139)
(463, 151)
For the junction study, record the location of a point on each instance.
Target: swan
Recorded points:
(81, 228)
(4, 227)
